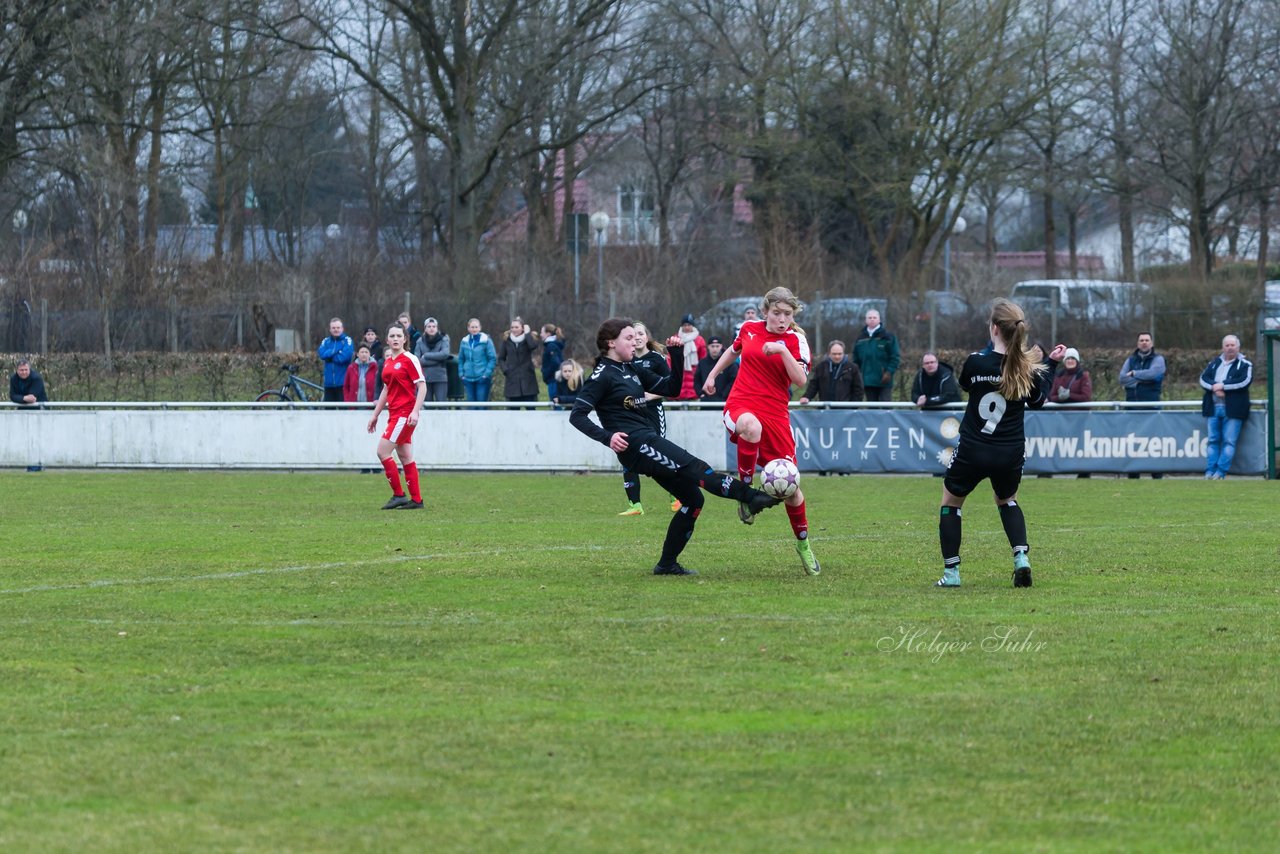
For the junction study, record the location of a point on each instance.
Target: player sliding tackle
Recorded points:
(616, 391)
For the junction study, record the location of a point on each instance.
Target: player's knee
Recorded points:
(749, 428)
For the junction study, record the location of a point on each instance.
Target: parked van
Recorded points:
(1090, 300)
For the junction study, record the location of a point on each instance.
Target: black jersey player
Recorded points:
(650, 354)
(1002, 381)
(616, 391)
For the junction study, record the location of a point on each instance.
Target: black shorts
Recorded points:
(973, 462)
(651, 454)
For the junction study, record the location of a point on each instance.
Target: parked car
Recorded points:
(1093, 301)
(1271, 304)
(947, 305)
(837, 316)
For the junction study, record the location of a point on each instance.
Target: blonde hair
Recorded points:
(1019, 369)
(783, 295)
(571, 373)
(650, 342)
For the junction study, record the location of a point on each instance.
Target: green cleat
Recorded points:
(633, 510)
(807, 557)
(950, 577)
(1021, 570)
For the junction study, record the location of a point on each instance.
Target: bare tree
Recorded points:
(477, 109)
(1202, 59)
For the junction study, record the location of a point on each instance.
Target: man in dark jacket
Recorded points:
(1142, 374)
(836, 378)
(724, 381)
(26, 387)
(935, 383)
(877, 355)
(1226, 383)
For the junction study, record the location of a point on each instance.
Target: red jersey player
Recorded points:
(775, 356)
(403, 389)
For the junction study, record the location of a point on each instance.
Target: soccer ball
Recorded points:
(780, 478)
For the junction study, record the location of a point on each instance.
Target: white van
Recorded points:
(1091, 300)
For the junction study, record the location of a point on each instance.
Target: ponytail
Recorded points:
(1019, 369)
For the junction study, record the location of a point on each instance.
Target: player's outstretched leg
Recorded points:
(949, 539)
(1015, 528)
(727, 486)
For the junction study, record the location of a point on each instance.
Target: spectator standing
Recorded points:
(835, 378)
(935, 383)
(1142, 378)
(1142, 374)
(552, 356)
(370, 337)
(26, 386)
(433, 352)
(876, 353)
(336, 352)
(1072, 383)
(412, 343)
(1226, 383)
(477, 359)
(724, 380)
(363, 383)
(695, 350)
(515, 358)
(749, 314)
(568, 382)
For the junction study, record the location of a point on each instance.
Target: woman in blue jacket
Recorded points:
(477, 358)
(1226, 404)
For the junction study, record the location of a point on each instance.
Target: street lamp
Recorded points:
(957, 229)
(600, 223)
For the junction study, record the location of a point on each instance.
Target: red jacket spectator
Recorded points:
(351, 385)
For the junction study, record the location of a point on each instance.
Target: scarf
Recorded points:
(690, 340)
(518, 339)
(433, 340)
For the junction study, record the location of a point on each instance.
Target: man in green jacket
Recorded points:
(877, 355)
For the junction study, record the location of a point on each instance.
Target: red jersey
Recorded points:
(762, 386)
(401, 375)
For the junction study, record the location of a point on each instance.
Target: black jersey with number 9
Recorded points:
(990, 418)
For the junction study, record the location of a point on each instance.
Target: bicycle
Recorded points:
(293, 390)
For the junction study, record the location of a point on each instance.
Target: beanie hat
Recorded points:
(1072, 353)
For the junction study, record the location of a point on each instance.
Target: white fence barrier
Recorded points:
(334, 437)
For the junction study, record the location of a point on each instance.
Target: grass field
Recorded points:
(235, 661)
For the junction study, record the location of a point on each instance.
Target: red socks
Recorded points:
(799, 521)
(393, 476)
(748, 452)
(411, 476)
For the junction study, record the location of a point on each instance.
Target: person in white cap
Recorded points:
(1072, 384)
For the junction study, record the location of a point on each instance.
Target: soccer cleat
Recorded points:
(1021, 570)
(396, 502)
(412, 505)
(807, 557)
(634, 509)
(758, 503)
(673, 569)
(950, 577)
(675, 506)
(745, 514)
